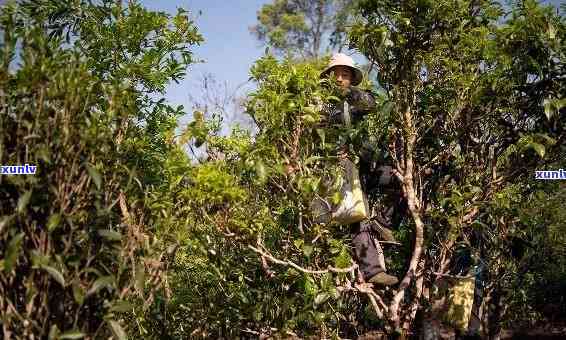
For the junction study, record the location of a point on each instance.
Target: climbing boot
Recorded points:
(383, 279)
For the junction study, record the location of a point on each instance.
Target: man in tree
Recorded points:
(367, 250)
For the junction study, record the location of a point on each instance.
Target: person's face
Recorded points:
(343, 76)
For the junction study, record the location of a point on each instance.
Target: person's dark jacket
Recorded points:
(361, 103)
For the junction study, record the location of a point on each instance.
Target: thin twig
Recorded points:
(247, 330)
(301, 230)
(459, 277)
(390, 242)
(301, 269)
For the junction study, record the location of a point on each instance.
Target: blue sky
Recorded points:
(229, 49)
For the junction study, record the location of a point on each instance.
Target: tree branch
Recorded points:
(459, 277)
(373, 298)
(269, 257)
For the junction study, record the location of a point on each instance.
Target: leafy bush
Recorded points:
(78, 248)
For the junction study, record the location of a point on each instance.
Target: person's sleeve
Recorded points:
(362, 101)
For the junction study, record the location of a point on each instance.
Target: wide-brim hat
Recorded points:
(340, 59)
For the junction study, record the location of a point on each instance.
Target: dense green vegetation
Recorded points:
(121, 234)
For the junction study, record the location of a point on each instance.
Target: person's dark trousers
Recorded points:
(369, 254)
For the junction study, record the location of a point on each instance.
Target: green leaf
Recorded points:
(5, 221)
(548, 109)
(117, 330)
(38, 260)
(13, 252)
(321, 298)
(53, 222)
(122, 307)
(336, 197)
(55, 274)
(260, 171)
(475, 189)
(307, 250)
(23, 201)
(101, 282)
(343, 259)
(72, 335)
(552, 106)
(95, 175)
(549, 140)
(310, 110)
(310, 287)
(110, 235)
(54, 333)
(539, 148)
(78, 293)
(258, 314)
(334, 293)
(326, 281)
(308, 119)
(243, 298)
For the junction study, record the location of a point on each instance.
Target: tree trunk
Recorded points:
(406, 169)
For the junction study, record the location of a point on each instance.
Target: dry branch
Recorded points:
(269, 257)
(459, 277)
(371, 294)
(366, 288)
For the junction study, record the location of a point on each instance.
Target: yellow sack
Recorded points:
(460, 302)
(352, 206)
